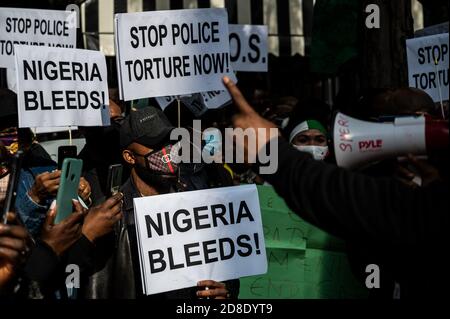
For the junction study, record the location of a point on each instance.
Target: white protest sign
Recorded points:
(61, 87)
(35, 27)
(428, 65)
(249, 47)
(216, 99)
(212, 234)
(201, 101)
(175, 52)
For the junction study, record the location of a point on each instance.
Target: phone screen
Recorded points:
(114, 179)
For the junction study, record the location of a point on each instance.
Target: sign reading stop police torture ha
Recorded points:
(61, 87)
(212, 234)
(177, 52)
(428, 62)
(50, 28)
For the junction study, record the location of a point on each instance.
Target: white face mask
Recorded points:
(318, 152)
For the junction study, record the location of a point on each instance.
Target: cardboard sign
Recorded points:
(48, 28)
(212, 234)
(428, 65)
(175, 52)
(249, 47)
(61, 87)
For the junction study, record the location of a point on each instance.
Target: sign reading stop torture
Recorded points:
(177, 52)
(428, 65)
(49, 28)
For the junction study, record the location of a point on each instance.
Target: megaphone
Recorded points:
(358, 142)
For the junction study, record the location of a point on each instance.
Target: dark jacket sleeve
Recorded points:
(81, 253)
(352, 205)
(42, 263)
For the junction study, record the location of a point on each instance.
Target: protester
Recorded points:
(145, 139)
(355, 207)
(102, 149)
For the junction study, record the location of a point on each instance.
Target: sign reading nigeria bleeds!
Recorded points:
(212, 234)
(61, 87)
(177, 52)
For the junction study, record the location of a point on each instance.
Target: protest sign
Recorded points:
(190, 236)
(428, 65)
(49, 28)
(177, 52)
(198, 103)
(304, 262)
(61, 87)
(249, 47)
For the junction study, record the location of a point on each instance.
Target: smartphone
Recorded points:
(66, 151)
(11, 191)
(114, 179)
(68, 187)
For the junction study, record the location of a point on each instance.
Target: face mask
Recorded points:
(213, 142)
(161, 167)
(164, 161)
(318, 152)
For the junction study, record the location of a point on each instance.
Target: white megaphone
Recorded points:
(358, 142)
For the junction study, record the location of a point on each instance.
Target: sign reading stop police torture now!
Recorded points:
(428, 65)
(34, 27)
(177, 52)
(249, 47)
(212, 234)
(61, 87)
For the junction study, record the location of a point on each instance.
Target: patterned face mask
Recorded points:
(164, 161)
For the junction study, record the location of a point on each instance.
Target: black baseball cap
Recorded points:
(147, 126)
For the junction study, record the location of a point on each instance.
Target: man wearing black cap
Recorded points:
(147, 148)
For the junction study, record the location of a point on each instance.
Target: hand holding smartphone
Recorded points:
(68, 187)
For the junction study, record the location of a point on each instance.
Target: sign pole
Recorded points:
(70, 135)
(440, 88)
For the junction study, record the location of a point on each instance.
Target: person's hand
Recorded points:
(14, 249)
(63, 235)
(84, 190)
(45, 185)
(213, 290)
(248, 118)
(101, 219)
(423, 170)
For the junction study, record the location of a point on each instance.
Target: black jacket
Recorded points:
(409, 225)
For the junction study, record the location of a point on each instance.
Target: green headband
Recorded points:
(307, 125)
